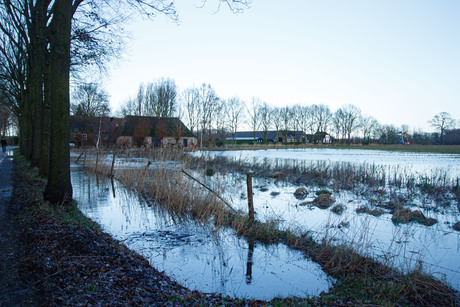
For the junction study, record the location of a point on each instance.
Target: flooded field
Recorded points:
(415, 163)
(436, 249)
(359, 216)
(194, 255)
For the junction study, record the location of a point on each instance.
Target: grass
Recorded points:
(360, 279)
(67, 214)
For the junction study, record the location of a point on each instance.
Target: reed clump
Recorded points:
(406, 215)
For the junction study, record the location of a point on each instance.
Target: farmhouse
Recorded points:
(157, 131)
(130, 131)
(319, 137)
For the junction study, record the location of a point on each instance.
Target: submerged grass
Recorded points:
(360, 279)
(370, 180)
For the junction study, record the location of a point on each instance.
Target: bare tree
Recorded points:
(89, 99)
(303, 121)
(190, 98)
(277, 120)
(337, 124)
(160, 98)
(253, 115)
(264, 117)
(6, 120)
(286, 120)
(368, 125)
(236, 6)
(322, 117)
(347, 119)
(388, 134)
(442, 121)
(220, 120)
(296, 118)
(235, 115)
(140, 101)
(208, 104)
(310, 121)
(128, 107)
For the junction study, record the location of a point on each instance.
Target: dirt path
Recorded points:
(14, 292)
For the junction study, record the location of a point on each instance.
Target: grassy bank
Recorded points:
(360, 279)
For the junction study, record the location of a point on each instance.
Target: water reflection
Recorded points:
(197, 257)
(250, 261)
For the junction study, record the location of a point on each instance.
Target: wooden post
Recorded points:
(113, 164)
(250, 200)
(84, 161)
(79, 157)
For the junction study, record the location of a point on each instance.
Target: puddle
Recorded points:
(195, 256)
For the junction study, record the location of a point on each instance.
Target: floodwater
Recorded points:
(420, 163)
(196, 256)
(435, 249)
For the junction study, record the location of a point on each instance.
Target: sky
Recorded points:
(398, 61)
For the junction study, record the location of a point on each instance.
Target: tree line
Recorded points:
(214, 119)
(44, 44)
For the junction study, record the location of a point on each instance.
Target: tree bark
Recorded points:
(36, 58)
(59, 187)
(45, 142)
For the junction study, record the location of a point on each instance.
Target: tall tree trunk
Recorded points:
(59, 187)
(45, 129)
(45, 142)
(37, 53)
(27, 116)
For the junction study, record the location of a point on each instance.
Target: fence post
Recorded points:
(113, 164)
(84, 161)
(79, 157)
(250, 200)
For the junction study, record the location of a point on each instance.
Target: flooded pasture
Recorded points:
(196, 256)
(435, 249)
(419, 163)
(225, 260)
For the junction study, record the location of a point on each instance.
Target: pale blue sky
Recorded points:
(397, 60)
